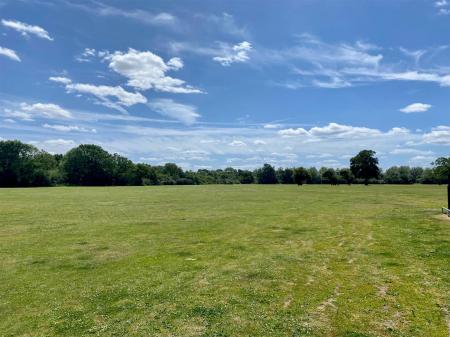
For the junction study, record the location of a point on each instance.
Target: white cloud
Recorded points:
(416, 107)
(342, 65)
(25, 116)
(138, 15)
(111, 97)
(146, 70)
(333, 83)
(175, 63)
(442, 80)
(227, 24)
(222, 143)
(87, 55)
(327, 55)
(396, 131)
(293, 132)
(68, 128)
(146, 17)
(272, 126)
(102, 92)
(416, 55)
(342, 131)
(46, 110)
(59, 141)
(422, 160)
(9, 53)
(407, 151)
(236, 54)
(441, 3)
(26, 29)
(59, 79)
(237, 143)
(439, 135)
(58, 145)
(167, 107)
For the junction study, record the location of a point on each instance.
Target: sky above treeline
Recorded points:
(211, 84)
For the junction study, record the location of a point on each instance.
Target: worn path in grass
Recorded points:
(349, 261)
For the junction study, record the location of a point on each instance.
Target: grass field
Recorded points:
(349, 261)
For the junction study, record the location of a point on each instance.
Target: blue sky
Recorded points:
(210, 84)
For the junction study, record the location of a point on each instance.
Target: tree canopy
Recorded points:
(442, 167)
(88, 165)
(301, 175)
(267, 175)
(23, 165)
(365, 166)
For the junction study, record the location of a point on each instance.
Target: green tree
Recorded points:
(301, 175)
(45, 169)
(405, 175)
(442, 168)
(285, 176)
(329, 176)
(392, 175)
(245, 177)
(365, 166)
(266, 175)
(428, 176)
(124, 171)
(346, 175)
(416, 174)
(173, 170)
(88, 165)
(314, 176)
(442, 171)
(146, 175)
(17, 163)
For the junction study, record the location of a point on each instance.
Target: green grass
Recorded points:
(224, 261)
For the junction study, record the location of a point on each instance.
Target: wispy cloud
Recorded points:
(226, 24)
(343, 65)
(167, 107)
(48, 110)
(29, 112)
(114, 97)
(138, 15)
(26, 29)
(238, 53)
(9, 53)
(68, 128)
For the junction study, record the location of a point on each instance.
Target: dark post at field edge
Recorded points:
(448, 191)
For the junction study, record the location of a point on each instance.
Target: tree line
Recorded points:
(23, 165)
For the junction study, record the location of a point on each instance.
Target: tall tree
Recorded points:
(301, 175)
(125, 172)
(285, 176)
(346, 175)
(88, 165)
(329, 176)
(266, 175)
(365, 166)
(442, 169)
(17, 164)
(245, 177)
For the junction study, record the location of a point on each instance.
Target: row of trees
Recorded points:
(87, 165)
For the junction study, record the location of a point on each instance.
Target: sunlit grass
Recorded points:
(252, 260)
